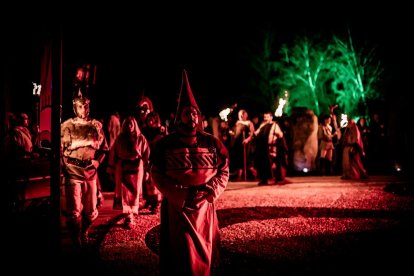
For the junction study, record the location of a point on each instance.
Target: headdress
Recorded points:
(186, 98)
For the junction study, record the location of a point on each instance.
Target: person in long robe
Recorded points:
(353, 150)
(153, 131)
(190, 168)
(265, 139)
(114, 128)
(129, 157)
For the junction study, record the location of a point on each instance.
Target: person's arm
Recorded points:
(110, 167)
(145, 150)
(252, 134)
(278, 131)
(65, 141)
(218, 183)
(251, 128)
(336, 130)
(327, 133)
(101, 152)
(145, 154)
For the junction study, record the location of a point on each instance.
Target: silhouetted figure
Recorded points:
(153, 132)
(326, 146)
(265, 139)
(19, 141)
(239, 160)
(18, 153)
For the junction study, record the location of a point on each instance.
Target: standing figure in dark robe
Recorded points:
(153, 131)
(265, 139)
(190, 168)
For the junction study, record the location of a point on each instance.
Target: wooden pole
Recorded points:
(55, 122)
(244, 159)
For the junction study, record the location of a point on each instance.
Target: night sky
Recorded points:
(136, 52)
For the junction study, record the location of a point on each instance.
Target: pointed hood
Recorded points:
(185, 98)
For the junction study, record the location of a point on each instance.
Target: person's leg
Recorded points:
(328, 161)
(73, 193)
(100, 197)
(90, 210)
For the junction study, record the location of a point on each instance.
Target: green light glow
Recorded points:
(355, 75)
(317, 73)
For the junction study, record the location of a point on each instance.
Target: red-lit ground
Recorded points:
(312, 225)
(317, 225)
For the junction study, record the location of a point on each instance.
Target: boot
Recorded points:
(129, 221)
(101, 199)
(328, 167)
(117, 204)
(74, 227)
(322, 166)
(239, 175)
(154, 205)
(86, 224)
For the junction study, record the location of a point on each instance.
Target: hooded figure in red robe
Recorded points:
(190, 168)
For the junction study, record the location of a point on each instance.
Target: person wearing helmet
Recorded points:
(83, 146)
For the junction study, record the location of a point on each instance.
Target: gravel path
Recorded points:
(312, 225)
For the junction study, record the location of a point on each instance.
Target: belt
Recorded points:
(79, 162)
(130, 161)
(192, 188)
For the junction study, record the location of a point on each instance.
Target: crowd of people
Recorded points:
(184, 164)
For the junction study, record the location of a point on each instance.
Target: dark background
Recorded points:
(138, 50)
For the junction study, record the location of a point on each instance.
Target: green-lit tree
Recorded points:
(317, 73)
(354, 75)
(301, 71)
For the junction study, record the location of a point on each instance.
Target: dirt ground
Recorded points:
(318, 225)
